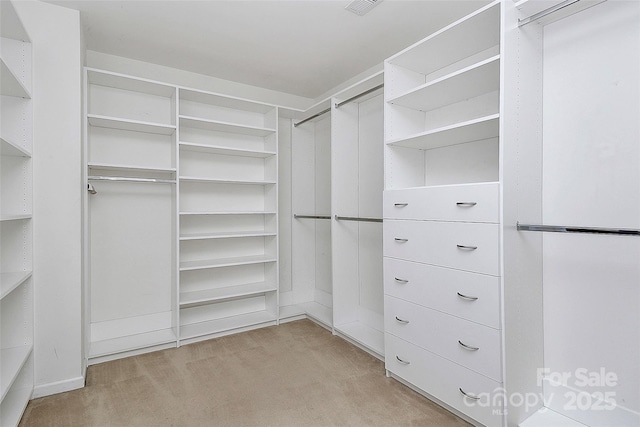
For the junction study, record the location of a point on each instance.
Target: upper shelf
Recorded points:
(472, 81)
(8, 148)
(120, 81)
(474, 33)
(132, 125)
(227, 151)
(11, 26)
(10, 83)
(220, 126)
(224, 181)
(224, 101)
(10, 281)
(127, 168)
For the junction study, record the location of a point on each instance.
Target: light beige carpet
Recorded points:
(296, 374)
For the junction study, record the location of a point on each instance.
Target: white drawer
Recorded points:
(461, 245)
(471, 296)
(444, 379)
(470, 344)
(469, 202)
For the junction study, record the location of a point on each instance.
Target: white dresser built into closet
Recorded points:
(16, 219)
(442, 258)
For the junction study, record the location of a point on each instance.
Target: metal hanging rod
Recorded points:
(353, 218)
(122, 178)
(366, 92)
(295, 125)
(311, 216)
(546, 12)
(572, 229)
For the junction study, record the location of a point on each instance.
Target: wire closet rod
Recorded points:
(311, 216)
(573, 229)
(122, 178)
(548, 11)
(339, 104)
(353, 218)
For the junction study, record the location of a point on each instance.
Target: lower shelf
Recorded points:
(211, 327)
(318, 312)
(18, 396)
(220, 294)
(11, 362)
(131, 342)
(546, 417)
(364, 335)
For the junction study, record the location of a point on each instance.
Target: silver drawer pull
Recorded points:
(400, 205)
(467, 248)
(470, 396)
(404, 362)
(400, 240)
(402, 320)
(467, 347)
(401, 280)
(463, 296)
(466, 204)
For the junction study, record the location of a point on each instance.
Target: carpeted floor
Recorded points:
(295, 374)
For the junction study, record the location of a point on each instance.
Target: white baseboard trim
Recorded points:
(43, 390)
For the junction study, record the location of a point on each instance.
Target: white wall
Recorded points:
(55, 33)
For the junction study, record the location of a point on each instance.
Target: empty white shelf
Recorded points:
(134, 84)
(131, 342)
(227, 151)
(289, 311)
(229, 213)
(224, 181)
(470, 82)
(10, 83)
(125, 168)
(318, 312)
(225, 262)
(10, 281)
(459, 133)
(8, 148)
(371, 338)
(546, 417)
(219, 126)
(227, 235)
(17, 217)
(13, 359)
(195, 330)
(219, 294)
(132, 125)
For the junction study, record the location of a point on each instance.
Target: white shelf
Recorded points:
(13, 359)
(224, 181)
(227, 235)
(11, 26)
(230, 213)
(10, 83)
(131, 342)
(125, 168)
(20, 217)
(195, 330)
(364, 335)
(130, 83)
(8, 148)
(220, 294)
(226, 262)
(224, 101)
(319, 312)
(219, 126)
(459, 133)
(546, 417)
(15, 403)
(454, 42)
(469, 82)
(131, 125)
(227, 151)
(10, 281)
(289, 311)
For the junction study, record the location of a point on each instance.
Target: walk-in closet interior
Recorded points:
(466, 208)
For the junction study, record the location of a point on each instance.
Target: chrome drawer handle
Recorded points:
(467, 248)
(400, 205)
(404, 362)
(467, 347)
(463, 296)
(470, 396)
(466, 204)
(402, 320)
(400, 280)
(399, 240)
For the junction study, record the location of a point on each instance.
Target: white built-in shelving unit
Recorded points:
(16, 222)
(442, 262)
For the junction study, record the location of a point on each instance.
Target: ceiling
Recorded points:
(301, 47)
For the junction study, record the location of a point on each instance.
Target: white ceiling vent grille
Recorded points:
(360, 7)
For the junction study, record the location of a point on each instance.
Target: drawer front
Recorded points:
(443, 380)
(465, 246)
(474, 346)
(471, 203)
(472, 296)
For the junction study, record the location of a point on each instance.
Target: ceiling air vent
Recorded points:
(360, 7)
